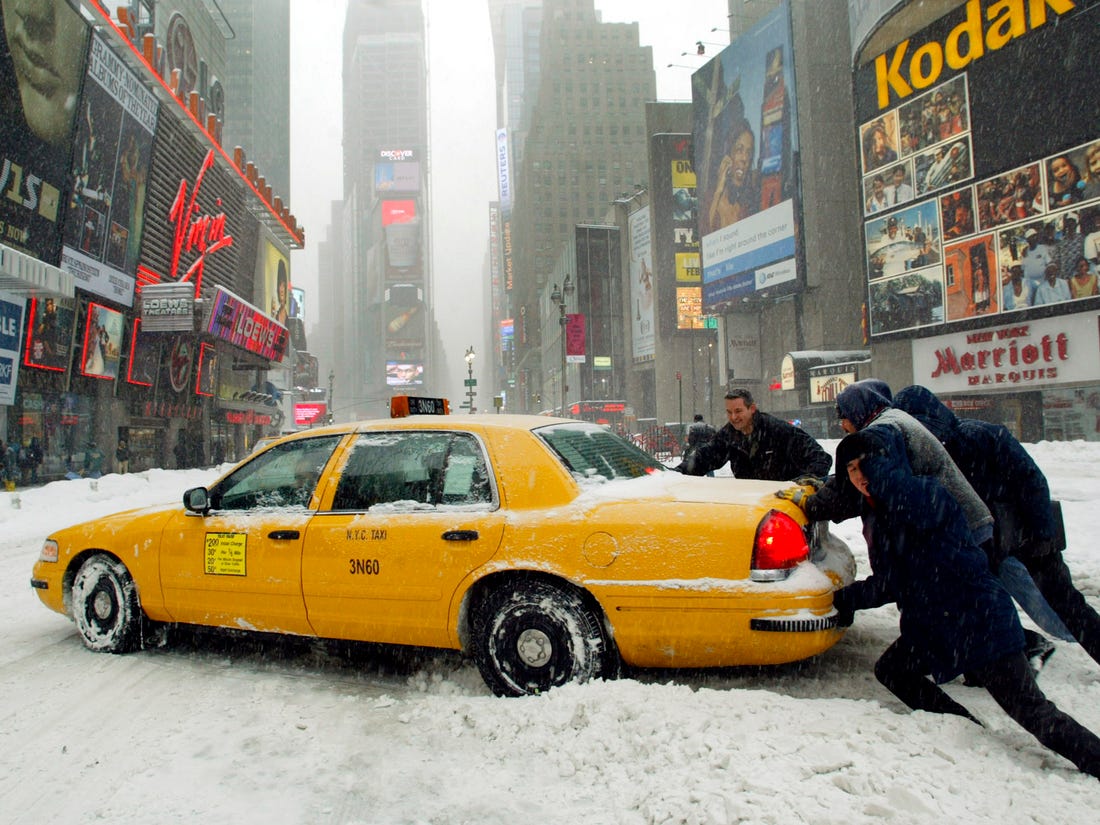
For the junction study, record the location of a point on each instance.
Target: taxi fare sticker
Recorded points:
(225, 554)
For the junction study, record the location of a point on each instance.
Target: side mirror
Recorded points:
(197, 500)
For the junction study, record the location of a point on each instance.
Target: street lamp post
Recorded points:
(561, 297)
(469, 356)
(331, 410)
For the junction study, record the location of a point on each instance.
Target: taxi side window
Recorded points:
(283, 476)
(413, 470)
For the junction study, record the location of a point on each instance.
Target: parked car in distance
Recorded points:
(549, 550)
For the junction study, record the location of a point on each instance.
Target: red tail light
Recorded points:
(780, 546)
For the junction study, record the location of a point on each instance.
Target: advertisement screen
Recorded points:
(107, 182)
(102, 342)
(404, 374)
(396, 176)
(206, 383)
(745, 131)
(398, 212)
(144, 356)
(36, 124)
(309, 412)
(49, 335)
(969, 215)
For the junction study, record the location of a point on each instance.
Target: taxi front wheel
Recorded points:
(531, 635)
(105, 606)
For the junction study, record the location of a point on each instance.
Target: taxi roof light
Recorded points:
(402, 406)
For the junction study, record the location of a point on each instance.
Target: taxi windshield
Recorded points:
(593, 452)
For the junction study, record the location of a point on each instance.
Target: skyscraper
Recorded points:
(257, 88)
(585, 145)
(386, 342)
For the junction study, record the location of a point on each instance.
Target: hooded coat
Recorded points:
(863, 405)
(998, 468)
(923, 558)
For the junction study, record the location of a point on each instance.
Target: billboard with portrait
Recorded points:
(746, 143)
(107, 181)
(49, 334)
(1012, 212)
(102, 342)
(278, 295)
(41, 70)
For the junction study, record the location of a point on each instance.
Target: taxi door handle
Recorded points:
(460, 535)
(283, 535)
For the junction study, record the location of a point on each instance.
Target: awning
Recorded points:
(23, 275)
(795, 368)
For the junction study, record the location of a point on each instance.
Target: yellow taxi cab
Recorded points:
(550, 550)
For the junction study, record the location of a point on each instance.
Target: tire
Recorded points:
(531, 635)
(105, 606)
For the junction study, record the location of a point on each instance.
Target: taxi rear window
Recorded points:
(592, 452)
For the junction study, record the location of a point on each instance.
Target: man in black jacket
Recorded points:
(758, 445)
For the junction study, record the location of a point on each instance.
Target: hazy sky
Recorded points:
(462, 129)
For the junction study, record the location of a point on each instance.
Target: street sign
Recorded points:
(469, 382)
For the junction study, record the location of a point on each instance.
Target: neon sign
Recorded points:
(194, 232)
(244, 326)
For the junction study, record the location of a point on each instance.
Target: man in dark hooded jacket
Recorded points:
(954, 615)
(757, 445)
(1011, 483)
(864, 403)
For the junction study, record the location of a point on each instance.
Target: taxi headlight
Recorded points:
(49, 551)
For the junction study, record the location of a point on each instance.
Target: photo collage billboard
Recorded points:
(980, 164)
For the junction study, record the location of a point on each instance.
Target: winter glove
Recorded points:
(795, 494)
(844, 618)
(810, 481)
(845, 614)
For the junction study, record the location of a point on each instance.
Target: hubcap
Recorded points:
(102, 605)
(534, 647)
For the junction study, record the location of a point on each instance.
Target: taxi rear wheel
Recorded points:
(105, 606)
(530, 635)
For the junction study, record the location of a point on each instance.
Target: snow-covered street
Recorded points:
(219, 729)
